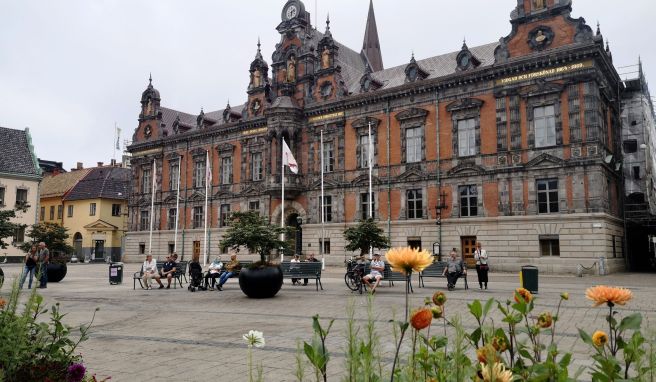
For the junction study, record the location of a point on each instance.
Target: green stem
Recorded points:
(398, 347)
(250, 363)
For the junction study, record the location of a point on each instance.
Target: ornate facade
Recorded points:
(503, 143)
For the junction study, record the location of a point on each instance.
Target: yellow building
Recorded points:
(53, 190)
(95, 213)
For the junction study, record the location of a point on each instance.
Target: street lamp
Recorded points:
(299, 235)
(441, 204)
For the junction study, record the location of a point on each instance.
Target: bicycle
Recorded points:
(353, 276)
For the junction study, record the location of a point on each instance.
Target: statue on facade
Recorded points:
(538, 4)
(325, 58)
(257, 79)
(291, 69)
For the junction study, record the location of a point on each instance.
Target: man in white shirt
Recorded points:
(149, 270)
(377, 268)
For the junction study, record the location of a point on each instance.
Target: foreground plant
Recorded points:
(253, 338)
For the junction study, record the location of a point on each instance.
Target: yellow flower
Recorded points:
(406, 260)
(500, 344)
(421, 318)
(437, 312)
(439, 298)
(564, 296)
(599, 338)
(602, 294)
(487, 354)
(496, 373)
(524, 294)
(545, 320)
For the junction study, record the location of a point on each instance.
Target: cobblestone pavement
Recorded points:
(172, 334)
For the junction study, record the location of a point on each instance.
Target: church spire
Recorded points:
(371, 44)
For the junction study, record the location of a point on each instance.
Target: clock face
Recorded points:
(291, 12)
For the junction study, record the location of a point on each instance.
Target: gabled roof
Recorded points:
(60, 184)
(16, 153)
(102, 182)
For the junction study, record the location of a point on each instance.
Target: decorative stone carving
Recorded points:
(501, 53)
(540, 37)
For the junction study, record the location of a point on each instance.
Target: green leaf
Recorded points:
(632, 322)
(488, 306)
(565, 361)
(585, 337)
(476, 309)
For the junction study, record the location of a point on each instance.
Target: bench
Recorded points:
(235, 273)
(391, 276)
(180, 269)
(305, 270)
(437, 270)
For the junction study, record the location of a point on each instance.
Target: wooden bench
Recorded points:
(437, 270)
(391, 276)
(180, 270)
(305, 270)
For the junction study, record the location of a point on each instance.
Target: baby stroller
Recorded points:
(196, 277)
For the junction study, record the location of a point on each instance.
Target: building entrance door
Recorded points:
(414, 243)
(196, 250)
(468, 245)
(99, 249)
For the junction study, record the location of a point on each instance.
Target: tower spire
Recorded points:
(371, 44)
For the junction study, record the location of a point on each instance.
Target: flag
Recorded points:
(208, 170)
(118, 138)
(288, 158)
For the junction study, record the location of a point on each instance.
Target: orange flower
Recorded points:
(499, 344)
(406, 260)
(524, 294)
(545, 320)
(3, 302)
(439, 298)
(421, 318)
(487, 353)
(599, 338)
(496, 373)
(602, 294)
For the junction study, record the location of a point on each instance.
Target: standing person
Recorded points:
(150, 272)
(292, 267)
(376, 273)
(231, 267)
(310, 259)
(43, 257)
(480, 255)
(30, 264)
(168, 270)
(453, 270)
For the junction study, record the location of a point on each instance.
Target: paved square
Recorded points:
(172, 334)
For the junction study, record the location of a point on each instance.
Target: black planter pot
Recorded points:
(260, 282)
(56, 272)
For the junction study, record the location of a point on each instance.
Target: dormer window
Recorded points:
(414, 72)
(466, 60)
(368, 83)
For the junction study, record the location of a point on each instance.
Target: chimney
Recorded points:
(79, 166)
(113, 162)
(100, 164)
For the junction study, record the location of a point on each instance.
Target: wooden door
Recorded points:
(468, 245)
(196, 254)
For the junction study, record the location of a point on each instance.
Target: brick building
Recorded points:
(505, 143)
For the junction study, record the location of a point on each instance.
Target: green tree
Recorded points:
(250, 230)
(7, 228)
(52, 234)
(365, 235)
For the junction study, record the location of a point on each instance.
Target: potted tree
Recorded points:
(364, 236)
(263, 279)
(55, 237)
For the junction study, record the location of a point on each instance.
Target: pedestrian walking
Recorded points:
(482, 267)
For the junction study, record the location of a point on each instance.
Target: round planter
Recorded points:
(260, 282)
(56, 272)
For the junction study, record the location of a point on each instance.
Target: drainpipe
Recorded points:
(389, 184)
(184, 214)
(439, 172)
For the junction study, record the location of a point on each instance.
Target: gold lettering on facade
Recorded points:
(544, 73)
(260, 130)
(324, 117)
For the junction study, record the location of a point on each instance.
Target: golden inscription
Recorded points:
(544, 73)
(261, 130)
(319, 118)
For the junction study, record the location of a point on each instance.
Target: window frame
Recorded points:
(545, 124)
(226, 170)
(468, 200)
(60, 211)
(116, 211)
(2, 196)
(328, 151)
(327, 208)
(69, 211)
(415, 142)
(549, 245)
(199, 172)
(224, 213)
(466, 127)
(197, 217)
(171, 218)
(364, 151)
(92, 209)
(548, 192)
(144, 220)
(51, 214)
(257, 166)
(364, 205)
(414, 204)
(146, 181)
(174, 167)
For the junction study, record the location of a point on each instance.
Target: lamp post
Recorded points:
(441, 204)
(299, 235)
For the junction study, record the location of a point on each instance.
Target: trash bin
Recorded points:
(115, 273)
(530, 278)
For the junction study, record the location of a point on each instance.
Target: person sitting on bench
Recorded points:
(168, 270)
(231, 267)
(149, 270)
(453, 270)
(213, 273)
(377, 268)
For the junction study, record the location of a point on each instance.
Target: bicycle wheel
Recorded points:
(351, 282)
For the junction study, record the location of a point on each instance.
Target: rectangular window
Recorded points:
(544, 118)
(199, 173)
(365, 151)
(414, 203)
(198, 217)
(591, 113)
(224, 214)
(468, 200)
(2, 196)
(636, 172)
(142, 248)
(326, 246)
(144, 222)
(413, 138)
(43, 213)
(21, 196)
(466, 137)
(116, 210)
(256, 166)
(502, 125)
(92, 209)
(60, 211)
(328, 157)
(70, 211)
(547, 196)
(19, 235)
(173, 215)
(146, 181)
(549, 245)
(226, 170)
(254, 205)
(171, 248)
(574, 107)
(364, 205)
(630, 146)
(515, 123)
(328, 208)
(52, 212)
(174, 169)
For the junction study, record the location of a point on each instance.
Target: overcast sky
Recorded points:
(70, 69)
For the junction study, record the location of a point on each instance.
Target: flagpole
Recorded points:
(208, 179)
(116, 140)
(177, 207)
(370, 160)
(323, 212)
(152, 210)
(282, 208)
